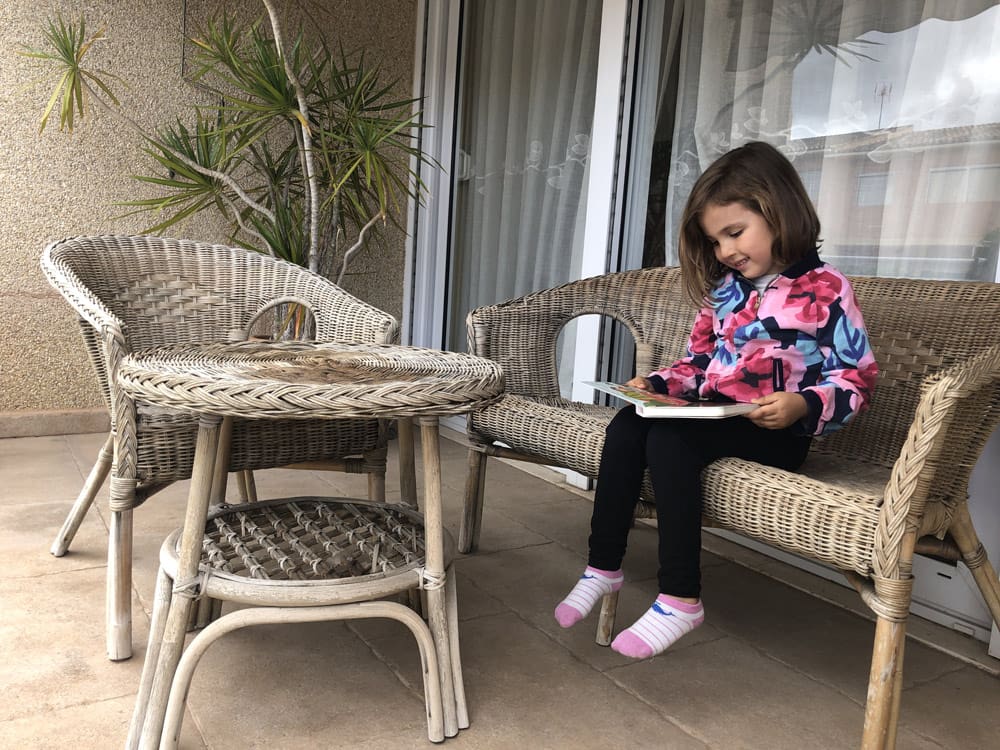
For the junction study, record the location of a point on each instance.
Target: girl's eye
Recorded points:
(736, 233)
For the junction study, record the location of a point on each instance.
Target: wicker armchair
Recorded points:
(869, 497)
(136, 292)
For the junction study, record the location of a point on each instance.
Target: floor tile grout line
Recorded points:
(604, 672)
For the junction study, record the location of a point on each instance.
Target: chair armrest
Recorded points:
(956, 415)
(339, 315)
(82, 300)
(521, 334)
(108, 342)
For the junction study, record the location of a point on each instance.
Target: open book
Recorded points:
(652, 404)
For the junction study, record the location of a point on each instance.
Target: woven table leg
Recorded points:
(223, 451)
(187, 568)
(161, 605)
(461, 706)
(407, 463)
(437, 616)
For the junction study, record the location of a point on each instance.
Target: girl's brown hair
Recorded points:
(760, 178)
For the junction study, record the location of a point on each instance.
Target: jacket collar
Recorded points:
(808, 262)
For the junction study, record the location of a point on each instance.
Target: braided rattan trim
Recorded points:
(308, 380)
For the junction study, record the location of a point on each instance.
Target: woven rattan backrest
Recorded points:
(917, 328)
(165, 290)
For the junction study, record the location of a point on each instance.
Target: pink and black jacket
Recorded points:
(805, 334)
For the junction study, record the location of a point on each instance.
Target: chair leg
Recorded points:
(119, 586)
(897, 695)
(606, 620)
(376, 486)
(974, 556)
(247, 486)
(472, 515)
(407, 463)
(886, 671)
(85, 499)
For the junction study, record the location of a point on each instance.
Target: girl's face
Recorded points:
(741, 239)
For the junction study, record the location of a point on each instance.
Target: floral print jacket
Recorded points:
(805, 334)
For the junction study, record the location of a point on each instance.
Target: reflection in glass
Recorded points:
(890, 111)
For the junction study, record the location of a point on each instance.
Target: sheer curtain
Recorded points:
(889, 110)
(527, 105)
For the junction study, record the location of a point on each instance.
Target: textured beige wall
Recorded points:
(55, 184)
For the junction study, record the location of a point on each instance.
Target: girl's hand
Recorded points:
(778, 410)
(639, 382)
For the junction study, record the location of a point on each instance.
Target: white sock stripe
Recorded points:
(589, 589)
(657, 634)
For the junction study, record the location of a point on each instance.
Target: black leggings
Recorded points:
(675, 451)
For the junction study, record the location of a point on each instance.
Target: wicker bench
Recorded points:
(868, 498)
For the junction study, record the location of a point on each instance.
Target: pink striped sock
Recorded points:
(592, 586)
(659, 628)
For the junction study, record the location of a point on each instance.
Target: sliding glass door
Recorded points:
(524, 97)
(526, 109)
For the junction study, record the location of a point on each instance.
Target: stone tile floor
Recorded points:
(773, 667)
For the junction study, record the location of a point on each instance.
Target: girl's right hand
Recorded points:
(639, 382)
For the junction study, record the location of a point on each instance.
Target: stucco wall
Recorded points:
(56, 184)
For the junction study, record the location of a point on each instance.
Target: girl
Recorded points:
(777, 327)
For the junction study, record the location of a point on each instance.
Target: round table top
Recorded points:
(291, 379)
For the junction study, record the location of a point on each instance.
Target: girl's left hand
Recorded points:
(778, 410)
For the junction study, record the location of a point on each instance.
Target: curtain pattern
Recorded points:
(529, 74)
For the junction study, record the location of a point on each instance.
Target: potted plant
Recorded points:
(303, 153)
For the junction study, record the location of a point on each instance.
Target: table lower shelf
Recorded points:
(303, 551)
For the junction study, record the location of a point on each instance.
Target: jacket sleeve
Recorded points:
(685, 376)
(848, 371)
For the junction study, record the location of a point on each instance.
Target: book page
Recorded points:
(652, 404)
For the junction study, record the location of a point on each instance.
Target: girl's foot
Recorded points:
(593, 585)
(660, 628)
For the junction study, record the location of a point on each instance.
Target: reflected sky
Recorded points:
(938, 74)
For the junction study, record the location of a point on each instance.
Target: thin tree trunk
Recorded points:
(311, 177)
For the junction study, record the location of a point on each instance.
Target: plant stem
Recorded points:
(252, 232)
(311, 177)
(357, 245)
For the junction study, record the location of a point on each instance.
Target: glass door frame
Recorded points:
(437, 79)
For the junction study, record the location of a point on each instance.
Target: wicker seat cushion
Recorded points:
(826, 511)
(781, 508)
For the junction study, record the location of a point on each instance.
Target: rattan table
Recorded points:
(304, 559)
